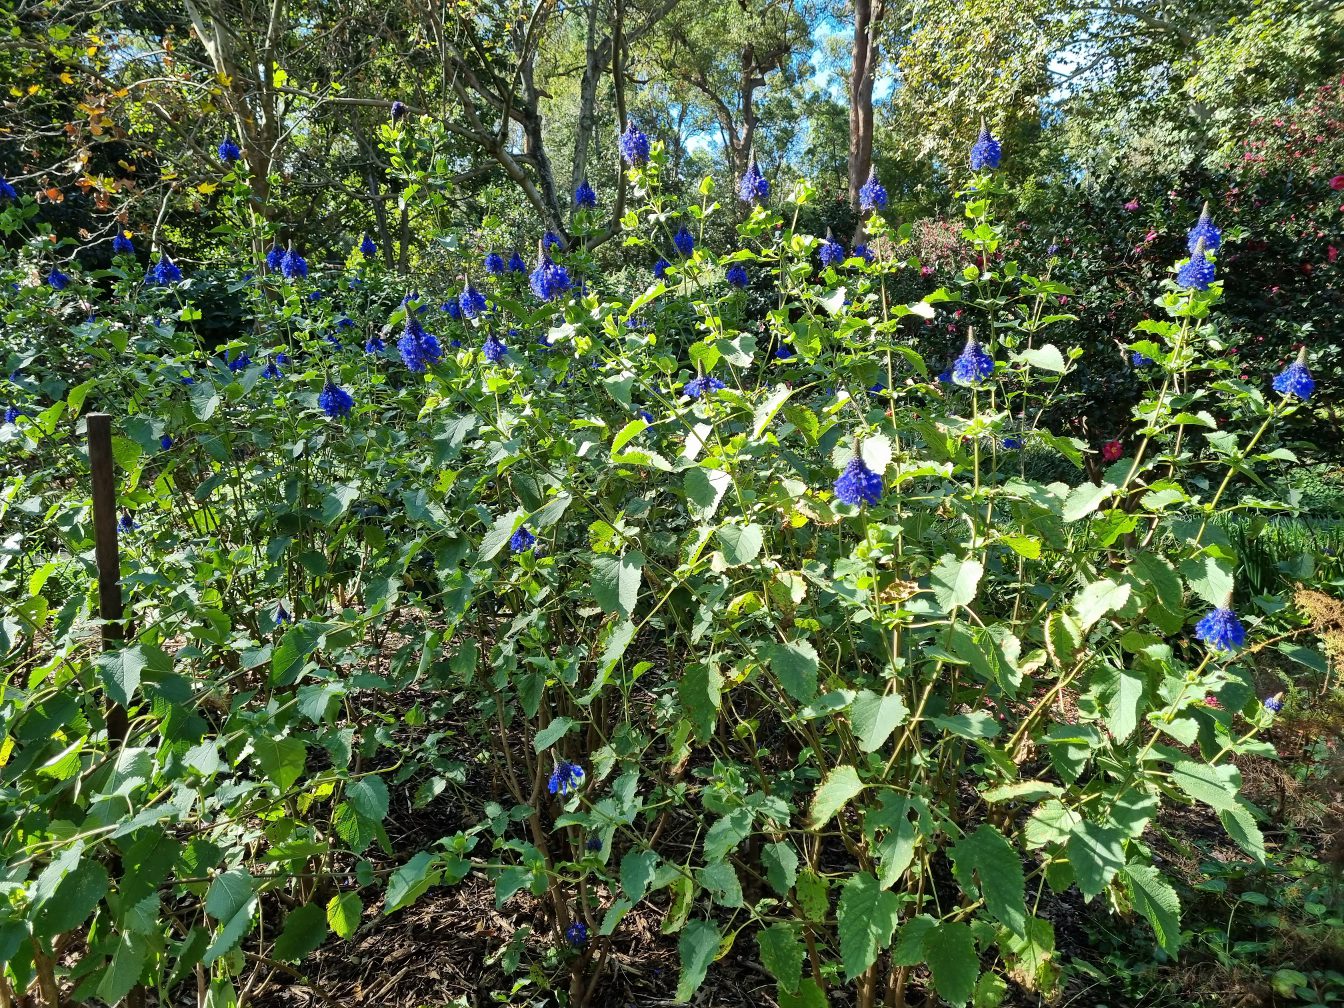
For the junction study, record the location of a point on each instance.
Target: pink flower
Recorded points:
(1133, 205)
(1331, 253)
(926, 271)
(1112, 450)
(1337, 183)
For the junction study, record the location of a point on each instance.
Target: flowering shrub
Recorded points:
(788, 642)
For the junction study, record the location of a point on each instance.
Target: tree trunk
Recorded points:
(867, 18)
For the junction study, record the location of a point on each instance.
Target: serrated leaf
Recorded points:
(699, 946)
(955, 582)
(985, 857)
(637, 870)
(344, 912)
(1098, 598)
(699, 693)
(795, 665)
(781, 866)
(616, 582)
(865, 919)
(875, 717)
(704, 491)
(552, 733)
(305, 929)
(741, 543)
(1154, 897)
(1085, 499)
(1096, 853)
(368, 796)
(949, 949)
(839, 786)
(782, 955)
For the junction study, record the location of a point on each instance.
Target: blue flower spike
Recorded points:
(1295, 380)
(1220, 629)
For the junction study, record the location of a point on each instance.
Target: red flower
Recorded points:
(1331, 253)
(1337, 183)
(1112, 450)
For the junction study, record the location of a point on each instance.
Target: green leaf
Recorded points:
(986, 857)
(282, 760)
(1084, 499)
(704, 490)
(121, 671)
(949, 949)
(954, 582)
(875, 717)
(123, 973)
(795, 665)
(344, 912)
(866, 919)
(840, 785)
(77, 896)
(1097, 599)
(1215, 786)
(1032, 790)
(699, 946)
(727, 833)
(552, 733)
(616, 582)
(782, 955)
(229, 893)
(809, 996)
(781, 866)
(368, 796)
(1157, 575)
(698, 690)
(813, 895)
(628, 433)
(1209, 577)
(1096, 854)
(741, 543)
(1045, 358)
(409, 882)
(1120, 703)
(637, 870)
(305, 929)
(1154, 897)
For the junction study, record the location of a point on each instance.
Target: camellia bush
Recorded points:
(815, 647)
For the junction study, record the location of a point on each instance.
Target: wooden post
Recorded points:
(106, 554)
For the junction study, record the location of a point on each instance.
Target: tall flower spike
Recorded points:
(522, 540)
(986, 151)
(517, 264)
(737, 275)
(858, 484)
(57, 280)
(274, 258)
(1295, 379)
(754, 187)
(398, 111)
(7, 191)
(1197, 272)
(418, 348)
(122, 244)
(634, 145)
(684, 241)
(229, 151)
(872, 195)
(293, 266)
(335, 401)
(367, 246)
(165, 272)
(494, 264)
(493, 349)
(471, 301)
(1220, 629)
(1205, 229)
(974, 365)
(584, 196)
(832, 252)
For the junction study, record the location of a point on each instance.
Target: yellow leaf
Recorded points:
(207, 187)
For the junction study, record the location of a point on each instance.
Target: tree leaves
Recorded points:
(949, 949)
(782, 955)
(875, 717)
(344, 912)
